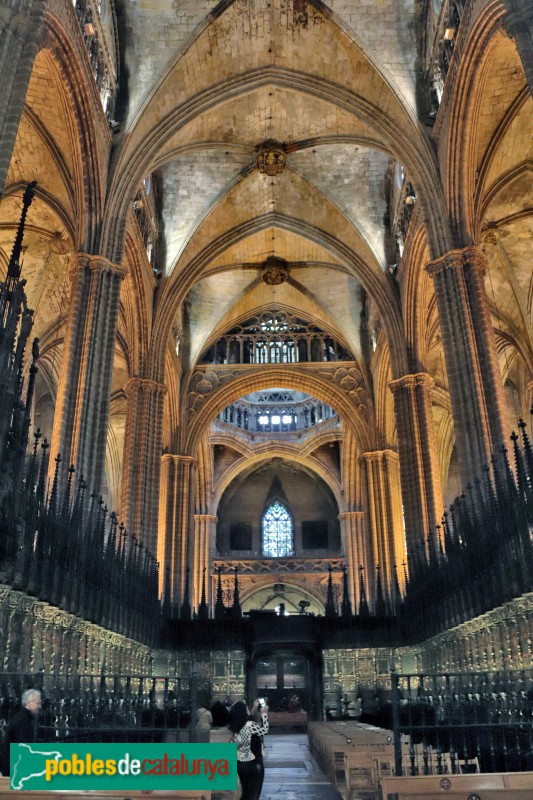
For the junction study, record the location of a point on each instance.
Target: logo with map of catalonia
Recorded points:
(98, 766)
(28, 763)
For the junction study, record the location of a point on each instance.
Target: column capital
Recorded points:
(475, 257)
(410, 381)
(95, 263)
(177, 459)
(134, 384)
(472, 255)
(206, 517)
(450, 260)
(379, 456)
(351, 515)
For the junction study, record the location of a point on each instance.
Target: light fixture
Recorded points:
(89, 29)
(410, 200)
(449, 33)
(137, 204)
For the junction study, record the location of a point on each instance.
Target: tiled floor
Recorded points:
(291, 773)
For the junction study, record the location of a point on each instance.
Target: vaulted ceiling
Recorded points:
(208, 84)
(203, 84)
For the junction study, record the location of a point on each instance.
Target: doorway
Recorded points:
(278, 677)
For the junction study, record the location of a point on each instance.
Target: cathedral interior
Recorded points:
(275, 435)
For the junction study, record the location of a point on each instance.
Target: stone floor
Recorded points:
(291, 773)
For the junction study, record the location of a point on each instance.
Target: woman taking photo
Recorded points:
(243, 728)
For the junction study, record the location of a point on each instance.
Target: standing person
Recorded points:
(243, 728)
(257, 748)
(294, 704)
(21, 727)
(358, 707)
(204, 721)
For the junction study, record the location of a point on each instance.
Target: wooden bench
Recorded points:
(288, 719)
(494, 786)
(220, 735)
(354, 756)
(170, 794)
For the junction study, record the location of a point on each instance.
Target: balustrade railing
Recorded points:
(104, 65)
(264, 418)
(268, 565)
(443, 39)
(144, 207)
(404, 211)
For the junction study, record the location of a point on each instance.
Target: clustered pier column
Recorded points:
(204, 541)
(352, 518)
(175, 517)
(353, 539)
(21, 33)
(143, 438)
(474, 376)
(420, 473)
(82, 408)
(384, 531)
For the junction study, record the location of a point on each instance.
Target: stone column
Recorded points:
(84, 392)
(21, 28)
(204, 542)
(474, 378)
(175, 502)
(141, 467)
(351, 516)
(420, 472)
(353, 539)
(518, 22)
(475, 269)
(384, 531)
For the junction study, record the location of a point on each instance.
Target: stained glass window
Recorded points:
(278, 540)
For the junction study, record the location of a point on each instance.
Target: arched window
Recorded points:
(277, 337)
(278, 537)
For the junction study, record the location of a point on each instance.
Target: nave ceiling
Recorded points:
(203, 85)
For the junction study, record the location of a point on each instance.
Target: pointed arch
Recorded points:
(414, 151)
(195, 422)
(377, 283)
(91, 132)
(417, 290)
(460, 155)
(264, 452)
